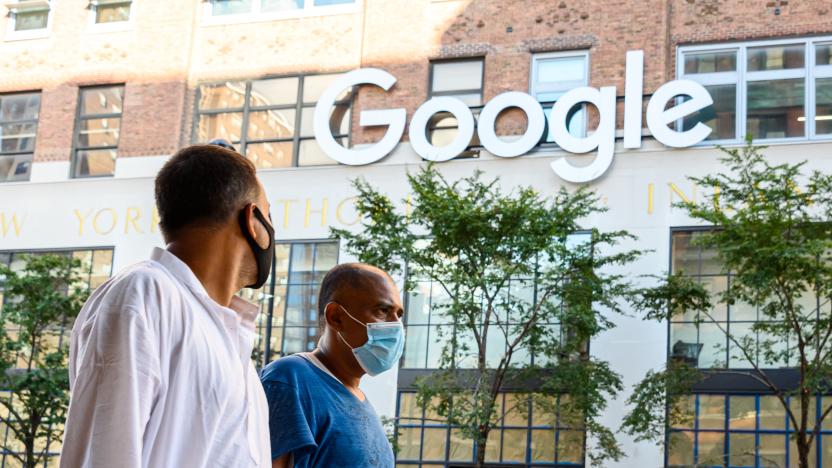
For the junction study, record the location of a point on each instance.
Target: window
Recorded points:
(705, 345)
(111, 11)
(29, 19)
(97, 131)
(771, 90)
(18, 129)
(239, 7)
(271, 120)
(288, 322)
(462, 79)
(742, 431)
(526, 435)
(428, 327)
(97, 264)
(553, 74)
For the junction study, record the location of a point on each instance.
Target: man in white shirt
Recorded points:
(160, 359)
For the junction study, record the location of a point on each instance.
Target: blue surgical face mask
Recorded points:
(384, 346)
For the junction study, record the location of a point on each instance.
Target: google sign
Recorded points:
(602, 140)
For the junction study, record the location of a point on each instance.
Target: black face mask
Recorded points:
(263, 257)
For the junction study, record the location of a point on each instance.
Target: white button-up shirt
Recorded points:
(161, 376)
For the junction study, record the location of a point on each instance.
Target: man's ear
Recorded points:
(249, 216)
(334, 316)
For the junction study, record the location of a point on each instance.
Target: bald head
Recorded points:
(347, 279)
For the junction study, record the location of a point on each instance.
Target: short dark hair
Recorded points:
(202, 185)
(345, 275)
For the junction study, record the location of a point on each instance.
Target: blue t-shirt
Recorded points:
(313, 415)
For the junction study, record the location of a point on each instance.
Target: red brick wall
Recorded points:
(169, 50)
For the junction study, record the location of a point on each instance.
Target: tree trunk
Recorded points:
(483, 436)
(30, 452)
(803, 453)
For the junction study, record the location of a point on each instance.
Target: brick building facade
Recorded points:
(192, 70)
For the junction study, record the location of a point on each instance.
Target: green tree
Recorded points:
(772, 232)
(475, 241)
(45, 293)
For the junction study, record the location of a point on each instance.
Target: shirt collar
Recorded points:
(246, 310)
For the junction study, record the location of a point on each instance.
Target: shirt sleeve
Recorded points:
(113, 392)
(288, 424)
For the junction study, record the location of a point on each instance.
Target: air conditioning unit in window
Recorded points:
(687, 353)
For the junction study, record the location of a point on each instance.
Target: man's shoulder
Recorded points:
(290, 370)
(138, 285)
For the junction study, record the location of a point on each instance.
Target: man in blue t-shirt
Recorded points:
(318, 417)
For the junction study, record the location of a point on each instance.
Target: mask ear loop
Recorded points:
(350, 315)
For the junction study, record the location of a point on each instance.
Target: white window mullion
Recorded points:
(823, 71)
(772, 75)
(809, 86)
(742, 108)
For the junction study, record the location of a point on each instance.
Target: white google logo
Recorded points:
(602, 139)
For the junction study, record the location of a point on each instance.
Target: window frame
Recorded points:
(534, 84)
(471, 152)
(77, 130)
(113, 26)
(13, 35)
(36, 121)
(298, 107)
(309, 10)
(268, 299)
(810, 72)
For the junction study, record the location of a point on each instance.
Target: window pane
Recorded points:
(17, 138)
(713, 342)
(685, 412)
(823, 106)
(102, 100)
(561, 70)
(775, 108)
(681, 449)
(302, 306)
(721, 116)
(436, 343)
(684, 345)
(226, 125)
(312, 155)
(415, 347)
(570, 446)
(742, 450)
(772, 413)
(31, 20)
(230, 94)
(457, 75)
(112, 13)
(711, 448)
(710, 62)
(772, 450)
(98, 132)
(270, 155)
(543, 446)
(315, 85)
(409, 442)
(716, 285)
(433, 447)
(743, 412)
(326, 257)
(711, 412)
(15, 169)
(19, 107)
(685, 254)
(280, 5)
(775, 57)
(230, 7)
(93, 163)
(462, 448)
(492, 446)
(339, 120)
(271, 124)
(823, 54)
(514, 445)
(274, 92)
